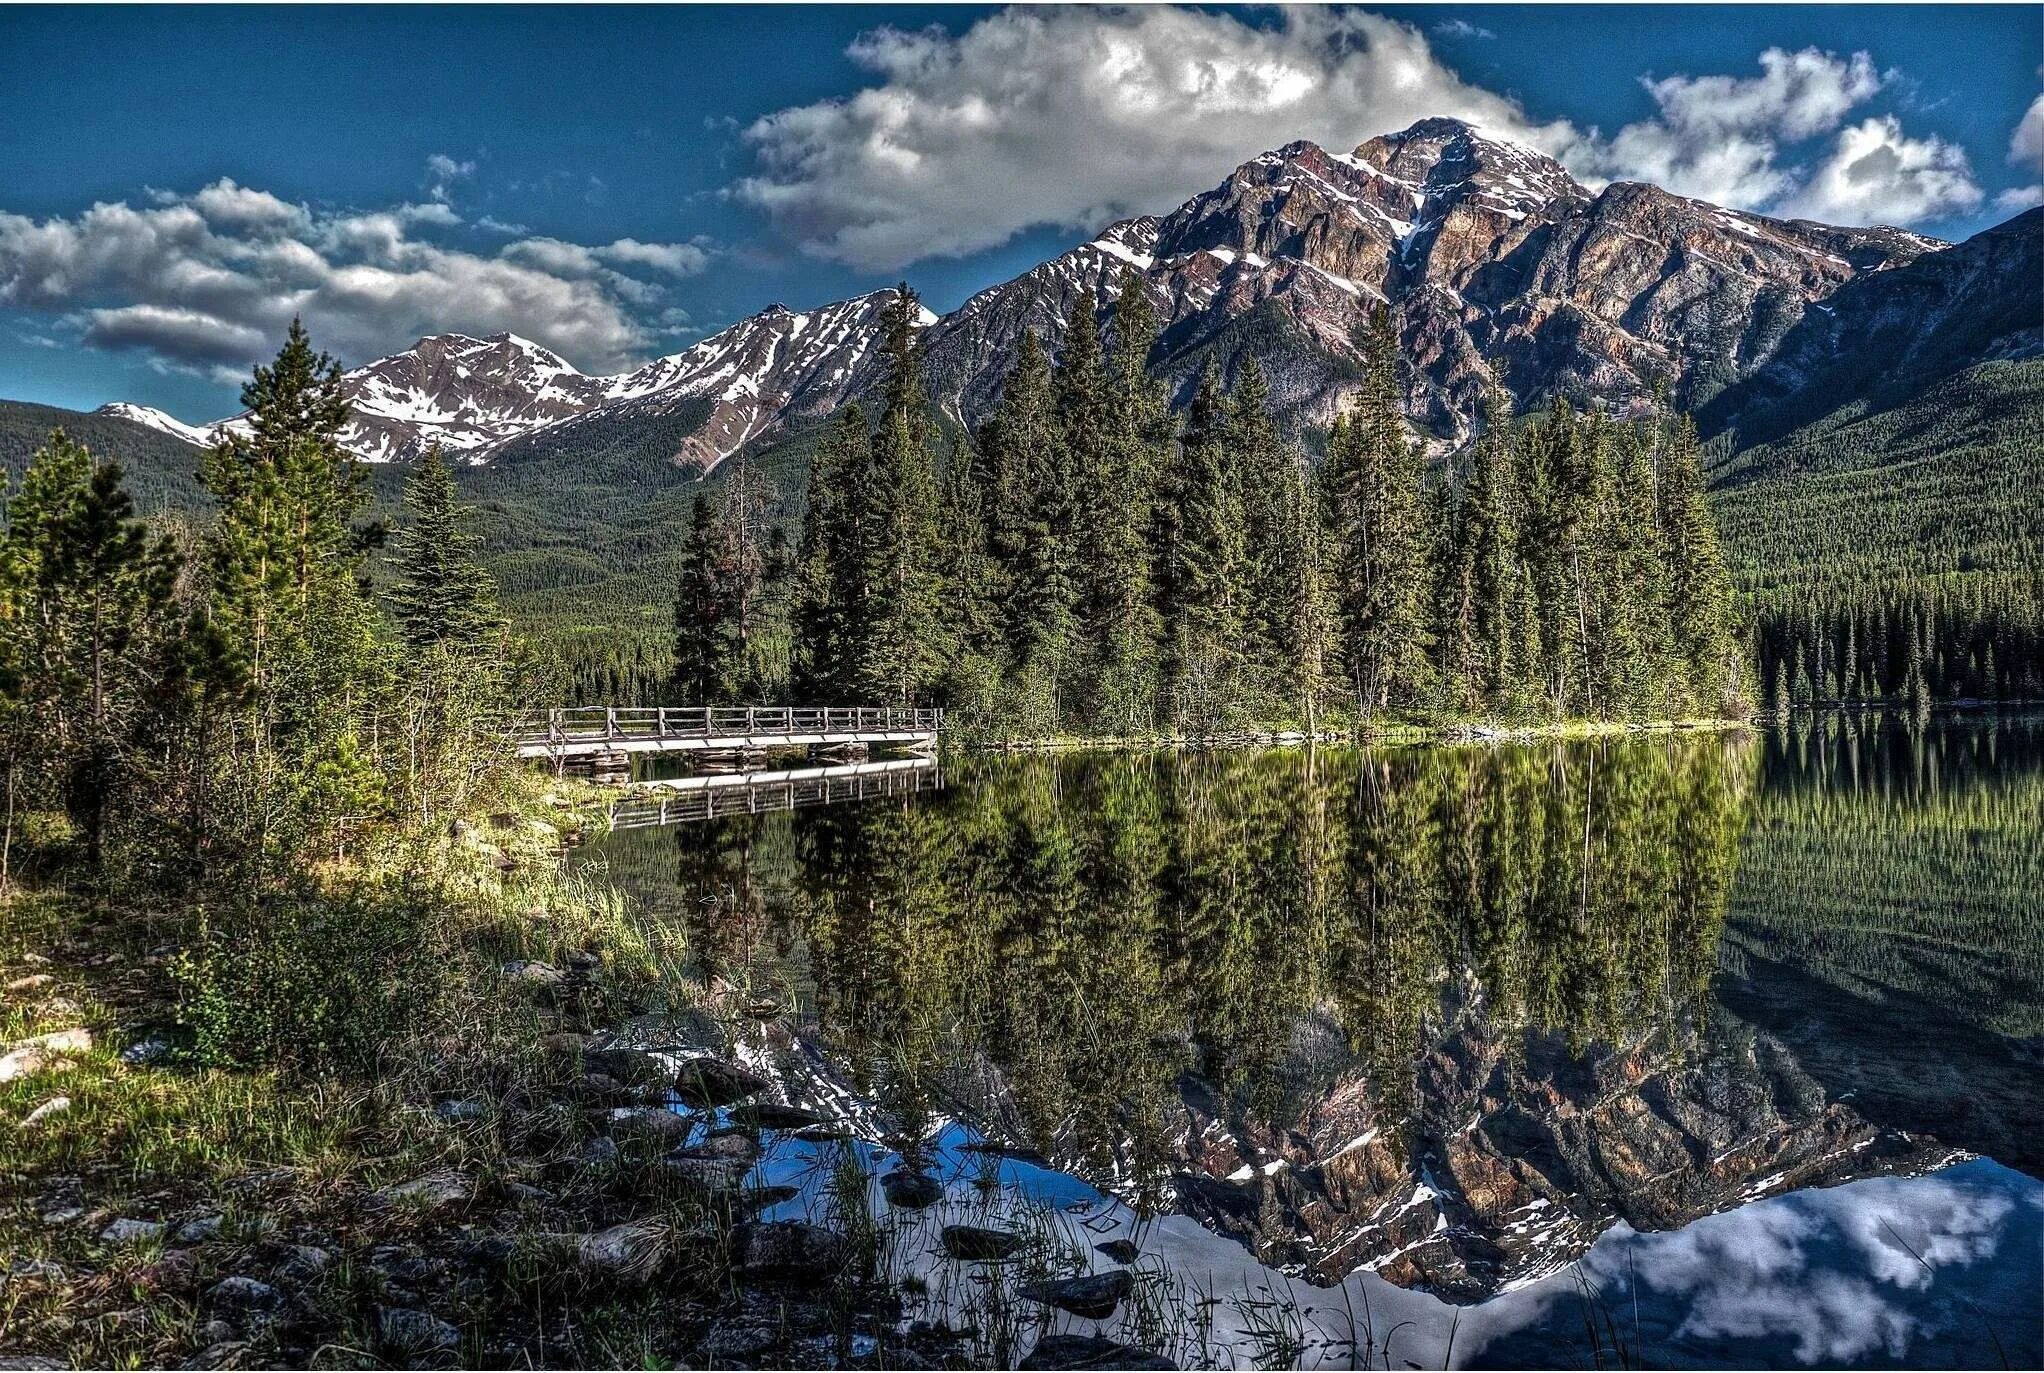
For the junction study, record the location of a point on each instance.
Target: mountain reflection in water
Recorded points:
(1460, 1017)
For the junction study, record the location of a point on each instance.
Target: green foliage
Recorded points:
(443, 597)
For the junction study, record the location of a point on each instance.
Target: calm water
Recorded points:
(1708, 1050)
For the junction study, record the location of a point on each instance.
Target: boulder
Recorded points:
(1092, 1296)
(1120, 1250)
(130, 1231)
(976, 1243)
(198, 1230)
(911, 1191)
(56, 1105)
(632, 1067)
(42, 1052)
(648, 1125)
(718, 1164)
(242, 1297)
(709, 1082)
(428, 1193)
(772, 1115)
(414, 1332)
(788, 1249)
(627, 1253)
(1089, 1351)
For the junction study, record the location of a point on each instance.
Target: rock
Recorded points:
(56, 1105)
(824, 1134)
(504, 820)
(42, 1052)
(244, 1297)
(600, 1152)
(298, 1263)
(18, 1269)
(29, 1361)
(911, 1191)
(459, 1109)
(772, 1115)
(718, 1164)
(175, 1271)
(534, 973)
(21, 986)
(789, 1249)
(151, 1048)
(198, 1230)
(708, 1082)
(632, 1067)
(428, 1193)
(567, 1046)
(414, 1332)
(652, 1125)
(486, 1251)
(1121, 1251)
(627, 1253)
(753, 1200)
(975, 1243)
(729, 1343)
(214, 1332)
(130, 1231)
(218, 1354)
(1088, 1351)
(1092, 1297)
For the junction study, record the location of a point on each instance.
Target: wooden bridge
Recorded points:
(583, 731)
(681, 800)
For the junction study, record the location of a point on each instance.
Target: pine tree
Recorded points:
(1275, 547)
(1200, 581)
(705, 627)
(82, 593)
(828, 570)
(1699, 586)
(1378, 545)
(1030, 531)
(899, 629)
(443, 596)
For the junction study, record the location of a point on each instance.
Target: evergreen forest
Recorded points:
(1089, 562)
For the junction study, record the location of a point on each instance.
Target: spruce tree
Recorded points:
(898, 631)
(1373, 491)
(1200, 580)
(1699, 586)
(444, 597)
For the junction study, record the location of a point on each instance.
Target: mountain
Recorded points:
(1882, 339)
(1502, 269)
(1898, 430)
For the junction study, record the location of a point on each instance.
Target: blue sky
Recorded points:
(615, 182)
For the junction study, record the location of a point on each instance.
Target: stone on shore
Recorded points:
(1092, 1296)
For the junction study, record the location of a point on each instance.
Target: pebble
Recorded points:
(127, 1230)
(415, 1332)
(56, 1105)
(1089, 1351)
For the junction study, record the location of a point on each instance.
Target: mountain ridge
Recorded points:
(1503, 270)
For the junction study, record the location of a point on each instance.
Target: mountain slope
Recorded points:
(1501, 268)
(1898, 430)
(161, 471)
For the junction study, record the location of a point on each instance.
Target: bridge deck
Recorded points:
(581, 730)
(683, 799)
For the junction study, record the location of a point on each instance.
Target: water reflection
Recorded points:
(1456, 1017)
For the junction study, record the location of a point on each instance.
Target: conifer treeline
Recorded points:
(1909, 642)
(220, 708)
(1091, 563)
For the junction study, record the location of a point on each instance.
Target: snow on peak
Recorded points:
(202, 435)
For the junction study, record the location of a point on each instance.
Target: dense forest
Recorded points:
(210, 716)
(1089, 562)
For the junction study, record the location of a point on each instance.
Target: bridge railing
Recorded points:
(621, 724)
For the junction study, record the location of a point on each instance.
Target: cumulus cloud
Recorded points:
(2026, 149)
(442, 171)
(1719, 138)
(208, 281)
(1073, 116)
(1876, 174)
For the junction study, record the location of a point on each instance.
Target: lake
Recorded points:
(1707, 1049)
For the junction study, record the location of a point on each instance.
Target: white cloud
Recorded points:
(1461, 28)
(2026, 144)
(442, 171)
(207, 282)
(1876, 174)
(1073, 117)
(1718, 138)
(2016, 199)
